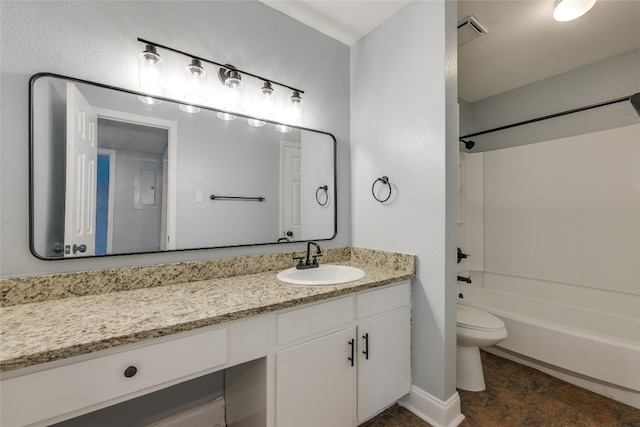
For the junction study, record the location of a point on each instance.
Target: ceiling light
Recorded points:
(568, 10)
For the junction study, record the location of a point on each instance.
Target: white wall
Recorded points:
(470, 235)
(567, 211)
(561, 220)
(97, 41)
(403, 99)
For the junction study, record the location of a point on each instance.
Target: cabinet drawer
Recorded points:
(315, 319)
(380, 300)
(46, 394)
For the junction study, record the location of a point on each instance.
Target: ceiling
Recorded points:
(120, 135)
(523, 43)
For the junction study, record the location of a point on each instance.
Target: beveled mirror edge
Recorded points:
(31, 150)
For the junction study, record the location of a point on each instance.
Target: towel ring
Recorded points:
(319, 192)
(384, 180)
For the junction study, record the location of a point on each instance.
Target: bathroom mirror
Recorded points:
(111, 175)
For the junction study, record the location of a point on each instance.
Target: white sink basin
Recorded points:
(326, 274)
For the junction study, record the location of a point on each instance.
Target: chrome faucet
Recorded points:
(308, 263)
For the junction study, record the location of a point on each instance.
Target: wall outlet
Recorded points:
(198, 196)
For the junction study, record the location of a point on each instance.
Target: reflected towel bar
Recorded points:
(256, 199)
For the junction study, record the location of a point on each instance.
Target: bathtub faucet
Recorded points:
(464, 279)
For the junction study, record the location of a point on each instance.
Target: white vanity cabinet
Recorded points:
(343, 361)
(86, 383)
(335, 362)
(384, 348)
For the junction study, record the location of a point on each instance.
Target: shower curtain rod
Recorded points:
(551, 116)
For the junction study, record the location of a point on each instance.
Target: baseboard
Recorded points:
(209, 414)
(433, 410)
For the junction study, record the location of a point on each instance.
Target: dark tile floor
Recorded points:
(519, 396)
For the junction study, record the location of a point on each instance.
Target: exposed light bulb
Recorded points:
(256, 123)
(263, 106)
(283, 128)
(232, 81)
(568, 10)
(294, 109)
(150, 74)
(195, 83)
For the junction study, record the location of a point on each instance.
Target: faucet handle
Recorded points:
(299, 258)
(315, 258)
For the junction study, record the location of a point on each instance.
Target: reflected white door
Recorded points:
(290, 190)
(82, 155)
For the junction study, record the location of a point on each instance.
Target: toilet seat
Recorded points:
(472, 318)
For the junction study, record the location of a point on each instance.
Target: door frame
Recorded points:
(172, 164)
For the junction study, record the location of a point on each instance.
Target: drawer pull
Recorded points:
(366, 346)
(130, 371)
(352, 343)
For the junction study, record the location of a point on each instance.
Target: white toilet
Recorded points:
(475, 329)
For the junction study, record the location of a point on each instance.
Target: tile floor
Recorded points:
(519, 396)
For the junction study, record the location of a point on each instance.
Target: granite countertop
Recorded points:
(41, 332)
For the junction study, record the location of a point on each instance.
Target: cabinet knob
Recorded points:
(130, 371)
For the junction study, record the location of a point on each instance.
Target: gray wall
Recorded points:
(411, 137)
(601, 81)
(223, 158)
(53, 121)
(97, 41)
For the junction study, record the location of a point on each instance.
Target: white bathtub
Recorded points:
(600, 350)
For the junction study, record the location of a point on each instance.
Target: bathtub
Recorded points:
(595, 350)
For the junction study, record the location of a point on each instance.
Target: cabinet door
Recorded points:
(384, 362)
(315, 383)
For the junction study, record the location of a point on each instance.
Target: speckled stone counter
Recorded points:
(53, 329)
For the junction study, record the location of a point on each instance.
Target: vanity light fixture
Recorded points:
(231, 99)
(568, 10)
(150, 74)
(263, 105)
(232, 81)
(195, 84)
(294, 113)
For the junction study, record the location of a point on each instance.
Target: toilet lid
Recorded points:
(474, 318)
